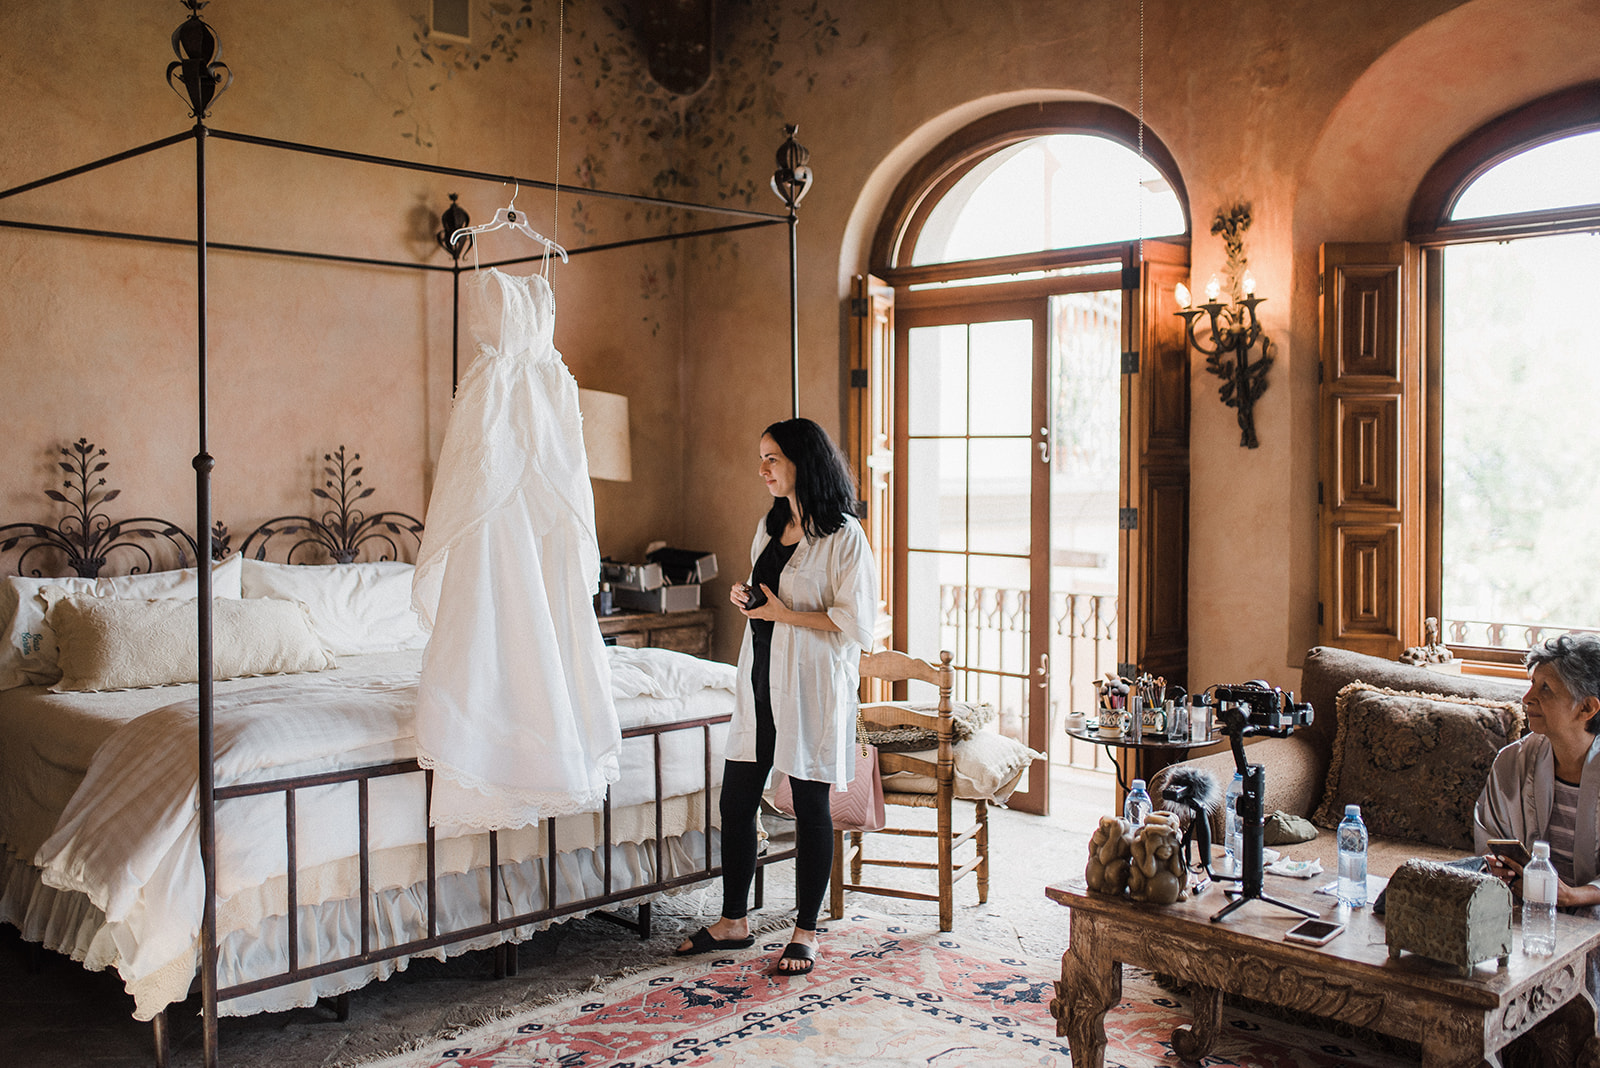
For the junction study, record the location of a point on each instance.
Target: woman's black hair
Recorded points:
(823, 484)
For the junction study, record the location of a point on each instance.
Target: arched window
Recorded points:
(1501, 381)
(1014, 260)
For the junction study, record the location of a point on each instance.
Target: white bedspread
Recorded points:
(129, 837)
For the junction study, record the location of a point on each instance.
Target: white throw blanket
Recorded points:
(129, 838)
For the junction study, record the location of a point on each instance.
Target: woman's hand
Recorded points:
(738, 594)
(1506, 870)
(772, 609)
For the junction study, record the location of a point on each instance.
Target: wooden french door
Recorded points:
(973, 530)
(963, 445)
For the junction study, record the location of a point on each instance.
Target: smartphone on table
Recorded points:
(1314, 932)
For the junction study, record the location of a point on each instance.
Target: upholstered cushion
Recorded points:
(966, 719)
(111, 644)
(1414, 762)
(988, 768)
(27, 643)
(356, 608)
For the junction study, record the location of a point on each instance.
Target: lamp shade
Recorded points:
(605, 435)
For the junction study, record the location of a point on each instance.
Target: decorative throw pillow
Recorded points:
(1414, 762)
(966, 719)
(356, 608)
(988, 767)
(117, 644)
(28, 645)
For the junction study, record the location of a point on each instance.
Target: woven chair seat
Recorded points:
(911, 800)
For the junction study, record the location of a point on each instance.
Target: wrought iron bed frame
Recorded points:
(202, 77)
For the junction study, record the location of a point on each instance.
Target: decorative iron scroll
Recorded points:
(87, 535)
(342, 530)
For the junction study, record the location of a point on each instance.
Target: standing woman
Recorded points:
(812, 604)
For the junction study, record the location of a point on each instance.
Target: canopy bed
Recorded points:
(339, 878)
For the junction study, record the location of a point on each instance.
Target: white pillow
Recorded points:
(988, 767)
(355, 608)
(28, 647)
(122, 644)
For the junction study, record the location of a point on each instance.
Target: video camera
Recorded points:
(1254, 707)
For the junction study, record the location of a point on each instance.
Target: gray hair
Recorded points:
(1575, 658)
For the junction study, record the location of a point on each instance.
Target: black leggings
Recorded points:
(742, 781)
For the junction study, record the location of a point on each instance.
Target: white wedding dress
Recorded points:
(514, 710)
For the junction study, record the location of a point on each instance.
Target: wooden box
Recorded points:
(1447, 914)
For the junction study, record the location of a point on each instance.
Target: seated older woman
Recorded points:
(1544, 785)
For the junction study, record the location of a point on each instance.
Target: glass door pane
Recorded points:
(1085, 417)
(970, 505)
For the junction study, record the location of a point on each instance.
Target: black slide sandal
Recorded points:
(703, 941)
(799, 951)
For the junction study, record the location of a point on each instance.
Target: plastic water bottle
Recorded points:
(1137, 805)
(1233, 828)
(1352, 858)
(1539, 903)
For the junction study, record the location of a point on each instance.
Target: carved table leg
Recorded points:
(1456, 1042)
(1091, 983)
(1194, 1041)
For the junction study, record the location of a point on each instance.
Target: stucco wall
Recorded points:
(1322, 116)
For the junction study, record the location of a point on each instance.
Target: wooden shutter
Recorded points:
(870, 428)
(1371, 519)
(1153, 579)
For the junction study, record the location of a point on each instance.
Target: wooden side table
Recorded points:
(686, 632)
(1461, 1022)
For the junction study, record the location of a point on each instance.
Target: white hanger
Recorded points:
(509, 217)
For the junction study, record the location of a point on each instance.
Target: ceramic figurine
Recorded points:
(1109, 850)
(1156, 872)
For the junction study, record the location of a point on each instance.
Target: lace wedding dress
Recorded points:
(514, 710)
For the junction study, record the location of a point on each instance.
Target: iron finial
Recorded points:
(792, 180)
(199, 64)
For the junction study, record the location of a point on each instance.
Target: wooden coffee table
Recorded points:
(1460, 1021)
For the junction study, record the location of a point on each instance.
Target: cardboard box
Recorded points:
(681, 566)
(661, 599)
(631, 576)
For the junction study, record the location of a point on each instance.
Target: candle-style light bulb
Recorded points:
(1213, 289)
(1181, 291)
(1249, 284)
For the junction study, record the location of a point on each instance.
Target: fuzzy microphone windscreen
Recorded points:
(1190, 792)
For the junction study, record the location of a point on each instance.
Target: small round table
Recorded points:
(1151, 752)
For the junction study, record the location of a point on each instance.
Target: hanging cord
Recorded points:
(1139, 180)
(561, 58)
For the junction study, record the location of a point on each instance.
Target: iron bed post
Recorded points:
(794, 314)
(203, 464)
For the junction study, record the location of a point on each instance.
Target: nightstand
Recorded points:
(685, 632)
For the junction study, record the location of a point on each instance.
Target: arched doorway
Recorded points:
(1020, 399)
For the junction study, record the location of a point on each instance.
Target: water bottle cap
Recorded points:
(1541, 851)
(1138, 784)
(1353, 810)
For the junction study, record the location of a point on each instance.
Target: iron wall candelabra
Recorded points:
(1235, 332)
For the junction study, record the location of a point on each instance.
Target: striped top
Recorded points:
(1561, 832)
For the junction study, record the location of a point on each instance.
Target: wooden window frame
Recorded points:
(1429, 231)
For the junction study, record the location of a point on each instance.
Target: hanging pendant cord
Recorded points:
(1139, 194)
(561, 35)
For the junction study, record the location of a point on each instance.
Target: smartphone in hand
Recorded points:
(753, 596)
(1510, 849)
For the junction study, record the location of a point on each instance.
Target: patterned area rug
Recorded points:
(882, 994)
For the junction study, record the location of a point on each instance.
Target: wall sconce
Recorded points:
(605, 435)
(451, 223)
(1234, 327)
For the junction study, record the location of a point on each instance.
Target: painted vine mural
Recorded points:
(619, 125)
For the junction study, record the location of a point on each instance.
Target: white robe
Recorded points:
(815, 674)
(514, 707)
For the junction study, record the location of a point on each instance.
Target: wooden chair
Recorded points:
(849, 846)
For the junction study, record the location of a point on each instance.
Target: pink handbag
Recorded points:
(859, 808)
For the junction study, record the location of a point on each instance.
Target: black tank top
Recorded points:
(769, 566)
